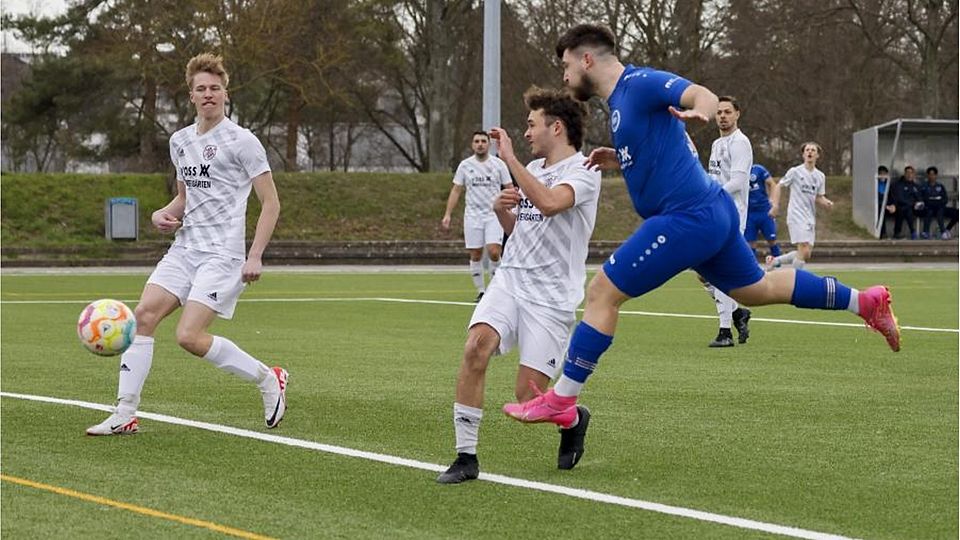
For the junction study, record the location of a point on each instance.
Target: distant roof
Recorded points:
(920, 124)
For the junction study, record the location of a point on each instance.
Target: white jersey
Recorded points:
(731, 158)
(483, 181)
(804, 186)
(544, 261)
(217, 169)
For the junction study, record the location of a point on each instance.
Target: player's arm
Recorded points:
(503, 207)
(452, 200)
(269, 214)
(699, 105)
(773, 193)
(550, 201)
(823, 201)
(169, 218)
(742, 160)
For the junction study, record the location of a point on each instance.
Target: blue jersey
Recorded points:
(657, 157)
(758, 190)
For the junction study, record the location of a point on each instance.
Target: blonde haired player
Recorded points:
(807, 189)
(205, 270)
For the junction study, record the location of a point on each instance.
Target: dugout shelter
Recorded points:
(896, 144)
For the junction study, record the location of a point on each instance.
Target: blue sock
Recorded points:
(775, 250)
(586, 346)
(814, 292)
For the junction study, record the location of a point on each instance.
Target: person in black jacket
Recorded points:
(906, 196)
(934, 202)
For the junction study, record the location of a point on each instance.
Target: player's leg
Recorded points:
(729, 270)
(154, 305)
(495, 316)
(800, 233)
(493, 238)
(473, 241)
(768, 227)
(725, 307)
(661, 248)
(215, 292)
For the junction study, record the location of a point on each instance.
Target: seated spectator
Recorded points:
(934, 203)
(883, 180)
(907, 202)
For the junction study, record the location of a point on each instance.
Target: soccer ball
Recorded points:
(106, 327)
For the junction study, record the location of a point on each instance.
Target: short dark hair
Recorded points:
(883, 169)
(933, 169)
(732, 100)
(479, 132)
(558, 105)
(594, 35)
(908, 168)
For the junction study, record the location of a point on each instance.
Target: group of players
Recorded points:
(692, 219)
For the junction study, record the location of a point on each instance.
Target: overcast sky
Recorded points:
(27, 7)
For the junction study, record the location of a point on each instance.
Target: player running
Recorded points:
(689, 220)
(216, 162)
(761, 210)
(807, 189)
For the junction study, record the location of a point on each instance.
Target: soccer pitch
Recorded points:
(808, 430)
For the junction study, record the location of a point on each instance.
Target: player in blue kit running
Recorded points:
(689, 220)
(761, 211)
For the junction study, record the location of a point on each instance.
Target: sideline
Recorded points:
(495, 478)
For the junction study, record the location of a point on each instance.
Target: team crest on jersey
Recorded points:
(615, 120)
(209, 152)
(180, 152)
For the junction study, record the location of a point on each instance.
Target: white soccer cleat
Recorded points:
(275, 399)
(115, 424)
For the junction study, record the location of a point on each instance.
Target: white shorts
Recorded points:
(541, 332)
(802, 232)
(212, 279)
(480, 232)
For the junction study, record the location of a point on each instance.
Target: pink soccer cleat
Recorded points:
(548, 407)
(877, 311)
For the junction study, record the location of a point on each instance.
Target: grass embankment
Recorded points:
(50, 210)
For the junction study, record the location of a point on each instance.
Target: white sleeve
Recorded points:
(458, 177)
(741, 160)
(505, 178)
(823, 185)
(585, 184)
(787, 178)
(252, 156)
(173, 159)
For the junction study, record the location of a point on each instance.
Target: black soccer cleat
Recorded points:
(723, 339)
(571, 441)
(465, 467)
(479, 297)
(742, 324)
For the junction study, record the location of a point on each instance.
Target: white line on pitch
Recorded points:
(494, 478)
(452, 303)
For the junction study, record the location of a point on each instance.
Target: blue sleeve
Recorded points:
(761, 172)
(658, 89)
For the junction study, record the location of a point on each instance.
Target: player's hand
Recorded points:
(892, 208)
(445, 223)
(690, 116)
(828, 204)
(504, 144)
(165, 221)
(603, 158)
(774, 212)
(251, 270)
(507, 200)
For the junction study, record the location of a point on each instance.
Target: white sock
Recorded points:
(725, 308)
(476, 272)
(798, 263)
(567, 387)
(135, 365)
(227, 356)
(494, 266)
(854, 305)
(466, 426)
(786, 258)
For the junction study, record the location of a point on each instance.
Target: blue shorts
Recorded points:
(764, 223)
(706, 239)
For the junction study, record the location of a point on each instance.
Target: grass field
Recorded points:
(810, 426)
